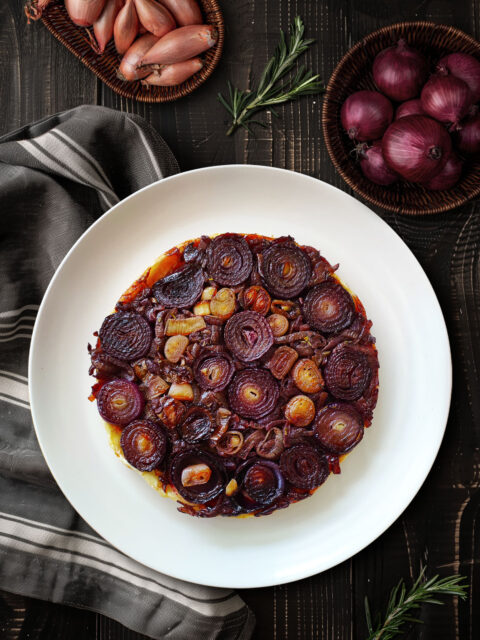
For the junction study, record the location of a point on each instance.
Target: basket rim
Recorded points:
(328, 100)
(181, 90)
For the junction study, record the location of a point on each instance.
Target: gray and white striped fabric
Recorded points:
(56, 177)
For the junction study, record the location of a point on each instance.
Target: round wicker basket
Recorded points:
(105, 66)
(354, 72)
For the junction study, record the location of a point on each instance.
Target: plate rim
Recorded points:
(303, 572)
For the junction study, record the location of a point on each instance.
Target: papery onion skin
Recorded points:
(182, 288)
(253, 393)
(119, 402)
(213, 369)
(260, 481)
(446, 98)
(365, 115)
(349, 370)
(373, 165)
(125, 335)
(144, 445)
(410, 108)
(198, 494)
(197, 425)
(448, 176)
(329, 307)
(465, 67)
(467, 137)
(400, 71)
(304, 467)
(338, 427)
(248, 335)
(286, 270)
(416, 147)
(229, 259)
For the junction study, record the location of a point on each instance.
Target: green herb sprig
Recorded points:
(273, 89)
(402, 603)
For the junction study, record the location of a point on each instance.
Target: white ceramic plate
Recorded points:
(379, 478)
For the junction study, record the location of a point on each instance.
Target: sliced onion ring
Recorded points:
(304, 467)
(125, 335)
(286, 270)
(201, 493)
(144, 445)
(329, 307)
(338, 427)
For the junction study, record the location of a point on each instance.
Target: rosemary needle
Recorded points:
(273, 87)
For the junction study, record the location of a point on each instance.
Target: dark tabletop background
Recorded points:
(441, 527)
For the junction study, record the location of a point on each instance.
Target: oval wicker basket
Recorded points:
(105, 66)
(354, 72)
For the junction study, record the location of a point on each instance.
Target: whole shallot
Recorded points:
(103, 26)
(181, 44)
(185, 12)
(154, 17)
(84, 12)
(169, 75)
(129, 69)
(125, 28)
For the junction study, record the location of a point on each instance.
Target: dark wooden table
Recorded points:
(441, 527)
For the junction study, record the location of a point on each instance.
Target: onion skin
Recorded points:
(468, 136)
(448, 176)
(144, 445)
(410, 108)
(446, 98)
(365, 115)
(154, 17)
(125, 29)
(416, 147)
(400, 71)
(465, 67)
(128, 69)
(181, 44)
(119, 402)
(185, 12)
(84, 12)
(373, 165)
(169, 75)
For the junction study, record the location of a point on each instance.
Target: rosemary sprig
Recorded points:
(402, 603)
(271, 90)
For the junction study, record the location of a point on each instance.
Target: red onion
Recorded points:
(468, 136)
(416, 147)
(373, 164)
(365, 115)
(448, 176)
(465, 67)
(446, 99)
(400, 71)
(410, 108)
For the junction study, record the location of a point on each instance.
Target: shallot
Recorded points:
(128, 69)
(181, 44)
(103, 26)
(126, 27)
(185, 12)
(154, 17)
(84, 12)
(170, 75)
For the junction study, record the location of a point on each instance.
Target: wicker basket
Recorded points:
(105, 66)
(354, 72)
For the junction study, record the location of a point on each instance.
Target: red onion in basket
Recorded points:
(373, 166)
(446, 99)
(468, 135)
(465, 67)
(448, 176)
(400, 71)
(410, 108)
(416, 147)
(365, 115)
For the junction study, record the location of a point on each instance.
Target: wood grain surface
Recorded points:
(441, 527)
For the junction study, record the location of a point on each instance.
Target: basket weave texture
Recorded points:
(353, 73)
(105, 66)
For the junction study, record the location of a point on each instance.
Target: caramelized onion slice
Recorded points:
(282, 361)
(197, 425)
(338, 427)
(300, 411)
(329, 307)
(260, 483)
(182, 288)
(286, 270)
(119, 402)
(199, 493)
(144, 445)
(255, 298)
(307, 376)
(349, 370)
(304, 467)
(253, 393)
(125, 335)
(213, 369)
(229, 259)
(248, 335)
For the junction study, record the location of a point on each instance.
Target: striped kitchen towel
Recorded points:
(56, 177)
